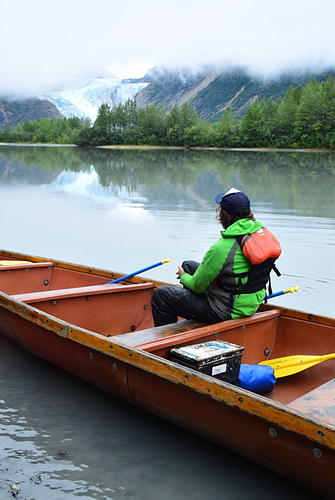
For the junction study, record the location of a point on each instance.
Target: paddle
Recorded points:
(138, 272)
(294, 364)
(289, 290)
(14, 262)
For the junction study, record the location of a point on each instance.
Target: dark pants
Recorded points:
(169, 302)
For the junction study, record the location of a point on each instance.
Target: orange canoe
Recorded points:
(104, 333)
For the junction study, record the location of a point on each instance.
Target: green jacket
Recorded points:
(220, 265)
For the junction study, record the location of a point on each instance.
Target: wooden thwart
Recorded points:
(29, 298)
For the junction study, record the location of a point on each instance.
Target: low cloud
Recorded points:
(44, 45)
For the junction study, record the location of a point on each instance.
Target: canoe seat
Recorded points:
(141, 338)
(48, 295)
(109, 310)
(241, 331)
(318, 403)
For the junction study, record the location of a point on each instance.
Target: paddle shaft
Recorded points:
(289, 290)
(138, 272)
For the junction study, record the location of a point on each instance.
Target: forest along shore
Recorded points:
(195, 148)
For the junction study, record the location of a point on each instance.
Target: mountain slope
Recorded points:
(12, 112)
(211, 92)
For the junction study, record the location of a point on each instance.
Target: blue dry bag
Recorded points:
(256, 378)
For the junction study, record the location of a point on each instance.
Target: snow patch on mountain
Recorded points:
(83, 98)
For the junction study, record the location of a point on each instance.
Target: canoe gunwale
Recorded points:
(34, 315)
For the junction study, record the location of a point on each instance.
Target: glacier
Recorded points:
(83, 97)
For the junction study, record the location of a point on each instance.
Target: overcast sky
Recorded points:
(45, 43)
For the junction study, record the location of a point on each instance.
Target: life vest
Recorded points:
(262, 249)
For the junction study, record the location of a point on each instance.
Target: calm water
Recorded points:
(124, 210)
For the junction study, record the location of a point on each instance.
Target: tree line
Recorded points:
(46, 131)
(304, 118)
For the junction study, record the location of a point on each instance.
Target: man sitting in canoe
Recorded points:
(222, 287)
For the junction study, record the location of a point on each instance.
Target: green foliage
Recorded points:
(303, 118)
(226, 131)
(103, 120)
(46, 131)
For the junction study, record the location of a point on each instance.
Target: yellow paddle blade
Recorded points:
(294, 364)
(13, 262)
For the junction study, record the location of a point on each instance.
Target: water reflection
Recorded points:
(294, 182)
(125, 209)
(88, 184)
